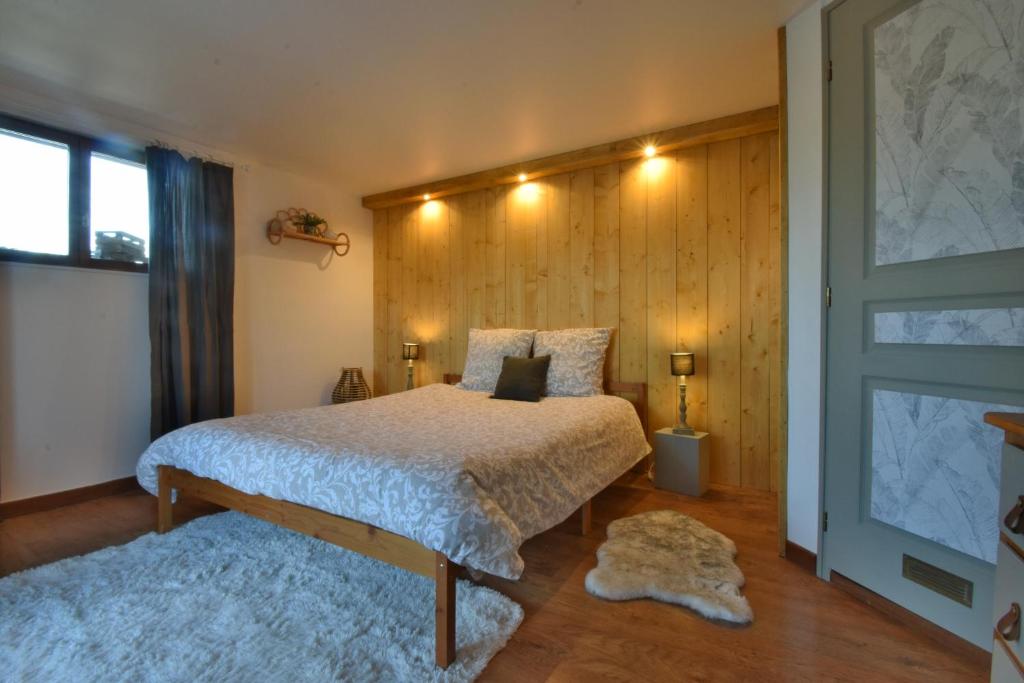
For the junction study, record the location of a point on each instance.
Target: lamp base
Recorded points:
(682, 427)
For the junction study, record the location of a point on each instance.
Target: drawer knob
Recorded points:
(1009, 625)
(1014, 520)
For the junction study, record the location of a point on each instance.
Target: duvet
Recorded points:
(457, 471)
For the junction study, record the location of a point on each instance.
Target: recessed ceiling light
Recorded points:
(650, 151)
(522, 177)
(426, 197)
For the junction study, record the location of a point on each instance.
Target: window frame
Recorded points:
(80, 150)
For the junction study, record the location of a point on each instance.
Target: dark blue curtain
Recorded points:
(191, 290)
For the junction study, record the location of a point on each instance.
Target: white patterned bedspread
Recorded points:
(457, 471)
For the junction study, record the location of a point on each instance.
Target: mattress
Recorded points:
(457, 471)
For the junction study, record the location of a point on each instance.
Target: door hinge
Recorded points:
(828, 297)
(824, 521)
(829, 75)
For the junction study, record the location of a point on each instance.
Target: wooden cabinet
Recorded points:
(1007, 648)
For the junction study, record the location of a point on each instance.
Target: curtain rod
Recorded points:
(192, 154)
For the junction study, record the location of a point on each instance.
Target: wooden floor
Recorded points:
(804, 629)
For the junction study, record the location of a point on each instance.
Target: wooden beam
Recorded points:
(364, 539)
(585, 517)
(444, 610)
(725, 128)
(164, 508)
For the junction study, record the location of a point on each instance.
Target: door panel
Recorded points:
(964, 326)
(946, 135)
(926, 267)
(935, 469)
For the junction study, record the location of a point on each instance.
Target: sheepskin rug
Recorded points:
(670, 557)
(231, 598)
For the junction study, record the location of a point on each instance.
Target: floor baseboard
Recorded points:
(50, 501)
(948, 641)
(801, 557)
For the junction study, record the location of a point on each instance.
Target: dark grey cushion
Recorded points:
(522, 379)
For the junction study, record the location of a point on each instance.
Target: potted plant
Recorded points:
(309, 223)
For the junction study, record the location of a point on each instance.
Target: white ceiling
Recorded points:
(377, 94)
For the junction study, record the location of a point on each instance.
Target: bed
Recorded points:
(428, 479)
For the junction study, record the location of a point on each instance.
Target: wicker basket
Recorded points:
(120, 246)
(351, 387)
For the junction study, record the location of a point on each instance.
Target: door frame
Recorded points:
(783, 514)
(826, 68)
(782, 499)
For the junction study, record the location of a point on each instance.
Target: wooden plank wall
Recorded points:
(678, 252)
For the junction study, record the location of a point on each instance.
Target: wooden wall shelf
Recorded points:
(281, 227)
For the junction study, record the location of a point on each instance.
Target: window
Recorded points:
(118, 209)
(34, 194)
(70, 200)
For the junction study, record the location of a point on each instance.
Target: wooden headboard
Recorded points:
(634, 392)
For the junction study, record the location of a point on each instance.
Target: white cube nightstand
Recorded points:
(682, 462)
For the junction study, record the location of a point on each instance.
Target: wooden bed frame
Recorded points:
(362, 538)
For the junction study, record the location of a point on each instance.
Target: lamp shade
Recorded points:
(410, 351)
(682, 363)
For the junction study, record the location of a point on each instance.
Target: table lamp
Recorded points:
(411, 353)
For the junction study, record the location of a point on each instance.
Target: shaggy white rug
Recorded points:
(231, 598)
(670, 557)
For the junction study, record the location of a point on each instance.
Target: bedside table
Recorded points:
(682, 462)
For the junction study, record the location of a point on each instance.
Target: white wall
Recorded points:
(804, 84)
(301, 312)
(74, 377)
(74, 345)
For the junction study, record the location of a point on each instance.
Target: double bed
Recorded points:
(427, 479)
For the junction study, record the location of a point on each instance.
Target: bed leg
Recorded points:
(164, 510)
(585, 517)
(444, 610)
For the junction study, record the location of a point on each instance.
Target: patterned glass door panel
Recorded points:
(935, 469)
(962, 327)
(949, 144)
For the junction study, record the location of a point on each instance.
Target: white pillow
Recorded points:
(577, 359)
(487, 351)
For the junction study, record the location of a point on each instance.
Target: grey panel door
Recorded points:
(926, 269)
